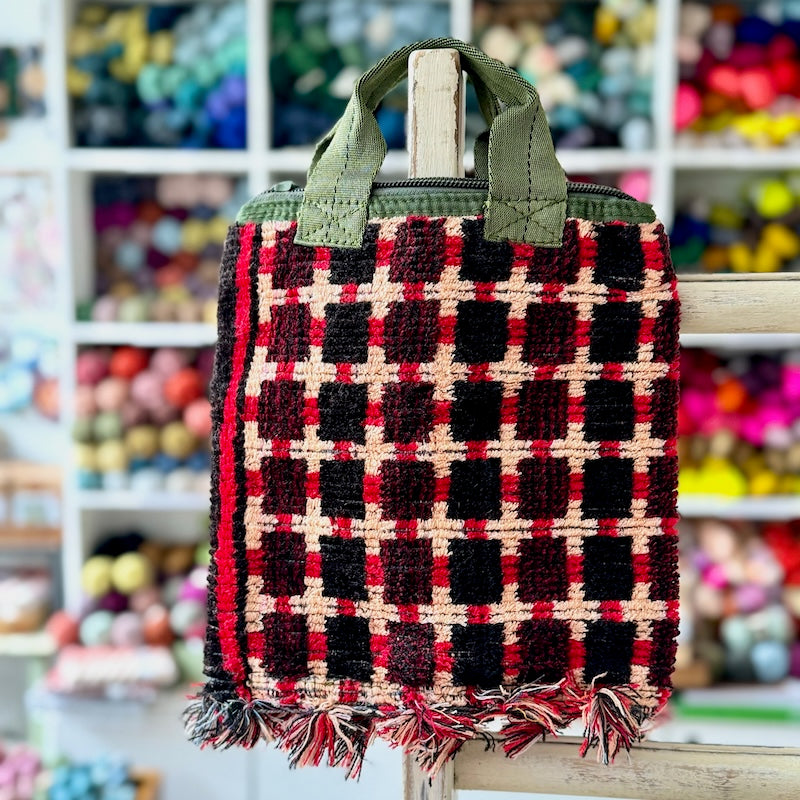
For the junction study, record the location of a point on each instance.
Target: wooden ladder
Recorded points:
(746, 303)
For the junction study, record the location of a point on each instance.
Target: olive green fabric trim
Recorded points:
(527, 187)
(285, 206)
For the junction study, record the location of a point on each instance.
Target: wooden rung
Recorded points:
(655, 770)
(746, 303)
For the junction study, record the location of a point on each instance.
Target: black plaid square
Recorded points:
(663, 555)
(543, 487)
(542, 570)
(663, 633)
(342, 411)
(342, 488)
(411, 653)
(346, 333)
(474, 489)
(286, 645)
(620, 260)
(419, 251)
(481, 331)
(549, 333)
(557, 264)
(344, 567)
(663, 479)
(609, 650)
(407, 489)
(407, 412)
(544, 650)
(609, 410)
(483, 261)
(477, 655)
(348, 651)
(356, 265)
(289, 333)
(411, 331)
(284, 481)
(666, 344)
(475, 411)
(607, 568)
(664, 399)
(294, 263)
(284, 563)
(476, 577)
(407, 571)
(280, 410)
(542, 410)
(607, 488)
(614, 333)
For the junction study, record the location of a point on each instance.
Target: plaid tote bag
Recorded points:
(444, 495)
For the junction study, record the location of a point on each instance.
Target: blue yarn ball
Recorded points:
(166, 235)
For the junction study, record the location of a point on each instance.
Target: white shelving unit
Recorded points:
(71, 169)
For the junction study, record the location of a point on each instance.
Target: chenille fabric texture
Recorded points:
(444, 501)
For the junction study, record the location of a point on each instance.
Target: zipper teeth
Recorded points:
(476, 183)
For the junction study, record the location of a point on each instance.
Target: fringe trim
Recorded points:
(614, 718)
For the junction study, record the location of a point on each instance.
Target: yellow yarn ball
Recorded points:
(194, 235)
(130, 572)
(161, 44)
(96, 576)
(85, 456)
(782, 239)
(112, 456)
(764, 483)
(740, 257)
(177, 440)
(142, 441)
(772, 198)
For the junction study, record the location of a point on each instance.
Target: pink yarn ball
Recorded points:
(167, 360)
(791, 383)
(111, 393)
(688, 105)
(715, 576)
(147, 389)
(91, 367)
(164, 413)
(105, 309)
(195, 587)
(85, 405)
(197, 417)
(636, 184)
(132, 414)
(127, 630)
(142, 599)
(795, 660)
(216, 190)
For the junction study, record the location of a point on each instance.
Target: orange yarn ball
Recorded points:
(127, 362)
(731, 395)
(183, 386)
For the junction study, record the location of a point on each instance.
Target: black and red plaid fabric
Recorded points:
(445, 488)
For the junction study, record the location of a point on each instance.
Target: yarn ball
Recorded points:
(195, 587)
(178, 559)
(91, 367)
(127, 630)
(116, 481)
(164, 413)
(197, 417)
(770, 660)
(167, 360)
(105, 309)
(147, 480)
(111, 393)
(183, 387)
(96, 576)
(772, 198)
(180, 480)
(85, 405)
(142, 441)
(186, 614)
(142, 599)
(127, 362)
(130, 572)
(688, 105)
(83, 429)
(107, 425)
(63, 628)
(177, 440)
(95, 629)
(132, 414)
(147, 389)
(134, 309)
(157, 628)
(112, 456)
(113, 601)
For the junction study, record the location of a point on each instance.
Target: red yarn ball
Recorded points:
(127, 362)
(197, 417)
(91, 367)
(183, 387)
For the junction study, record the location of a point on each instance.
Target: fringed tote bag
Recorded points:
(444, 495)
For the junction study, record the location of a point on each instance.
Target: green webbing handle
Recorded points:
(527, 198)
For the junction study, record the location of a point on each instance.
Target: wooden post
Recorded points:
(436, 150)
(436, 114)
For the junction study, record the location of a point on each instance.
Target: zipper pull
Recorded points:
(284, 186)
